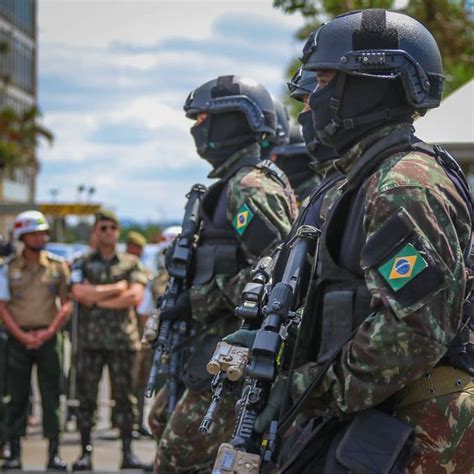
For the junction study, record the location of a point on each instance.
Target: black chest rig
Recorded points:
(219, 251)
(339, 300)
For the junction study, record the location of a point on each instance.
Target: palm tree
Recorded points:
(20, 133)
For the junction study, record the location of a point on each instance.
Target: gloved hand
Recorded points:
(181, 311)
(273, 406)
(241, 337)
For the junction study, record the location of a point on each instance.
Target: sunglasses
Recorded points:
(105, 227)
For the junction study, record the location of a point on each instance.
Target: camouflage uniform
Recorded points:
(157, 418)
(257, 192)
(108, 337)
(401, 342)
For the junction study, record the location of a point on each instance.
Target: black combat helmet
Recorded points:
(382, 44)
(388, 64)
(302, 84)
(239, 110)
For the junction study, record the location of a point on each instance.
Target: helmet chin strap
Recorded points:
(336, 122)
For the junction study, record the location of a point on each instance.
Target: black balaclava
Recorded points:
(360, 96)
(221, 135)
(319, 152)
(296, 167)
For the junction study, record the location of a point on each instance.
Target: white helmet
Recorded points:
(169, 234)
(29, 221)
(166, 239)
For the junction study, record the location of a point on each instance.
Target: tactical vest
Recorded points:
(219, 250)
(339, 296)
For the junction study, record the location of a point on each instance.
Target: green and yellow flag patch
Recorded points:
(403, 267)
(242, 219)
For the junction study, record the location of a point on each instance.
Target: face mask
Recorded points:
(321, 113)
(221, 135)
(317, 150)
(296, 168)
(361, 96)
(306, 121)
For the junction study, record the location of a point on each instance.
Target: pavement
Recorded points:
(107, 454)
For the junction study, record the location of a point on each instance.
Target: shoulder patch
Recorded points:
(242, 219)
(403, 267)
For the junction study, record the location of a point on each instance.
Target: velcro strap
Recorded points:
(436, 383)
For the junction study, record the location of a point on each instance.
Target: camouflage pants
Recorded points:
(444, 429)
(157, 418)
(182, 448)
(90, 363)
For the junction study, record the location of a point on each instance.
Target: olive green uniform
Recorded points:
(31, 293)
(108, 337)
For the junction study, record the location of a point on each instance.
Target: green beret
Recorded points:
(106, 215)
(136, 238)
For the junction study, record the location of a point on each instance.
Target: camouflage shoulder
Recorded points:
(258, 179)
(411, 169)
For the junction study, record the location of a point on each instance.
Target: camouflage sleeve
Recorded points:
(411, 327)
(260, 210)
(139, 273)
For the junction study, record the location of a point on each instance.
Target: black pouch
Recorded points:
(373, 442)
(195, 376)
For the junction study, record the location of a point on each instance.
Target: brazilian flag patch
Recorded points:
(242, 219)
(406, 265)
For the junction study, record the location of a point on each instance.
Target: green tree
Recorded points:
(19, 136)
(447, 20)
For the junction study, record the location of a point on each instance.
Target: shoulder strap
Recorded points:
(272, 169)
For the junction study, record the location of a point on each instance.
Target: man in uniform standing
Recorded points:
(112, 285)
(136, 243)
(30, 286)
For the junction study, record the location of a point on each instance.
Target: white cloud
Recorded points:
(119, 66)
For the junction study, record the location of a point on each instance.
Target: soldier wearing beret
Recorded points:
(111, 285)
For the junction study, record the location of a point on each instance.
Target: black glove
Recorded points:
(181, 311)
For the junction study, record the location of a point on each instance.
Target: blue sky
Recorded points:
(113, 76)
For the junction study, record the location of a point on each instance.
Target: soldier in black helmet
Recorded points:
(247, 212)
(388, 348)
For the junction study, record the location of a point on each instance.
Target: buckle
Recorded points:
(348, 124)
(334, 103)
(331, 128)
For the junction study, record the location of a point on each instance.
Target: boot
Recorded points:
(13, 463)
(4, 449)
(84, 462)
(129, 460)
(55, 463)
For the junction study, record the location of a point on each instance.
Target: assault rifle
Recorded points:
(267, 354)
(166, 337)
(228, 362)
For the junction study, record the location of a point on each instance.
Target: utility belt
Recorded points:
(33, 328)
(440, 381)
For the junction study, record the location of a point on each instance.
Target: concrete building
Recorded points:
(17, 90)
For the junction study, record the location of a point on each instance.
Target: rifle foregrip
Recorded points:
(155, 369)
